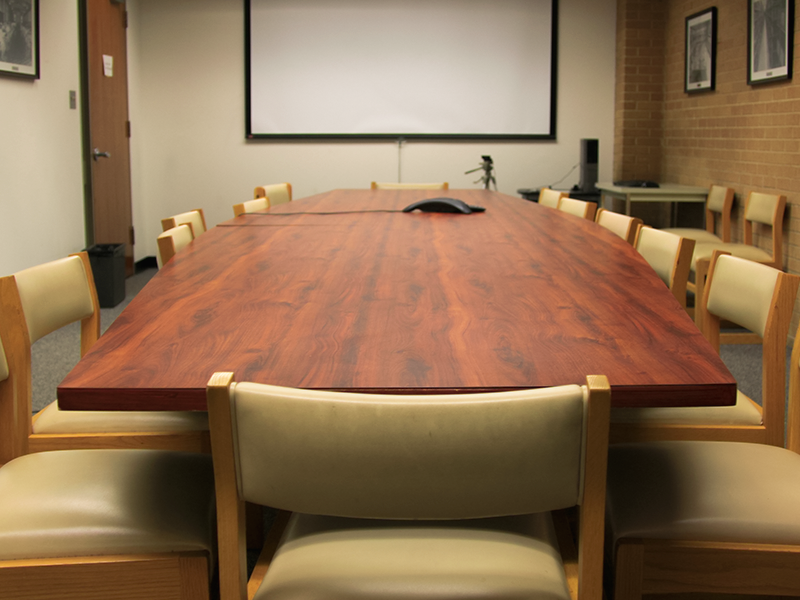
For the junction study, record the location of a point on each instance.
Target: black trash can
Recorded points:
(108, 268)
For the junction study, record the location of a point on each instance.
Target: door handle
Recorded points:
(97, 155)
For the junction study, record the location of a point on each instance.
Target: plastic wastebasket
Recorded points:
(108, 268)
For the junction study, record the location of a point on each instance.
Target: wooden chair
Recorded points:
(36, 302)
(410, 186)
(251, 206)
(707, 517)
(277, 193)
(194, 218)
(551, 198)
(579, 208)
(719, 202)
(765, 209)
(669, 255)
(762, 299)
(173, 241)
(623, 225)
(112, 524)
(411, 496)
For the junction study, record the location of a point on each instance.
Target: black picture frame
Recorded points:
(770, 40)
(701, 51)
(19, 38)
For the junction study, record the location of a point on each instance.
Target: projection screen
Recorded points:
(401, 68)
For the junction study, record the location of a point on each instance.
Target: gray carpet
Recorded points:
(55, 355)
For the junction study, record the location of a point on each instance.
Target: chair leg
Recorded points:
(628, 571)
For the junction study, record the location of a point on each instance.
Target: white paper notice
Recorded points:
(108, 65)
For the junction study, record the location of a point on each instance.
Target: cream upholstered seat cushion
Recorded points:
(744, 412)
(337, 558)
(706, 491)
(701, 236)
(54, 420)
(105, 502)
(705, 250)
(659, 249)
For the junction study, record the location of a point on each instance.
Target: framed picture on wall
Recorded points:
(19, 38)
(701, 50)
(770, 43)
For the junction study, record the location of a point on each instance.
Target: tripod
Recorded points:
(488, 177)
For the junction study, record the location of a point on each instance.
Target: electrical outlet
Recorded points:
(73, 99)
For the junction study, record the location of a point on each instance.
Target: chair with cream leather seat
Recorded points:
(760, 209)
(752, 295)
(669, 255)
(719, 202)
(249, 206)
(579, 208)
(173, 241)
(37, 301)
(410, 186)
(551, 198)
(623, 225)
(707, 517)
(195, 219)
(277, 193)
(411, 496)
(112, 524)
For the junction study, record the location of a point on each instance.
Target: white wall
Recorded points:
(187, 112)
(41, 184)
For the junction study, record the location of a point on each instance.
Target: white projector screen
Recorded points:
(401, 68)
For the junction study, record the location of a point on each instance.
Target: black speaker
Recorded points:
(589, 160)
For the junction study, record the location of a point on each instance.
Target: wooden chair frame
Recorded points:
(701, 266)
(648, 566)
(773, 385)
(679, 276)
(170, 222)
(260, 191)
(260, 203)
(166, 243)
(114, 577)
(444, 185)
(550, 197)
(583, 566)
(579, 208)
(16, 436)
(629, 232)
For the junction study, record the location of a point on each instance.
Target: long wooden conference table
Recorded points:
(361, 297)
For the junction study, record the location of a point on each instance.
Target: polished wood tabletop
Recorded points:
(362, 297)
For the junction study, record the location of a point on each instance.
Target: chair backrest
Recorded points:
(551, 198)
(173, 241)
(33, 303)
(277, 193)
(251, 206)
(406, 457)
(719, 201)
(670, 256)
(766, 209)
(193, 218)
(410, 186)
(579, 208)
(761, 299)
(623, 225)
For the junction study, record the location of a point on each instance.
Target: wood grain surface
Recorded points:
(518, 296)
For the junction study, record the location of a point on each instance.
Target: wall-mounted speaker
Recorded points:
(589, 161)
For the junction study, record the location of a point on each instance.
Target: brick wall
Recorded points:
(639, 111)
(745, 137)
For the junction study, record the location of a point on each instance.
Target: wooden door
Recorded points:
(110, 214)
